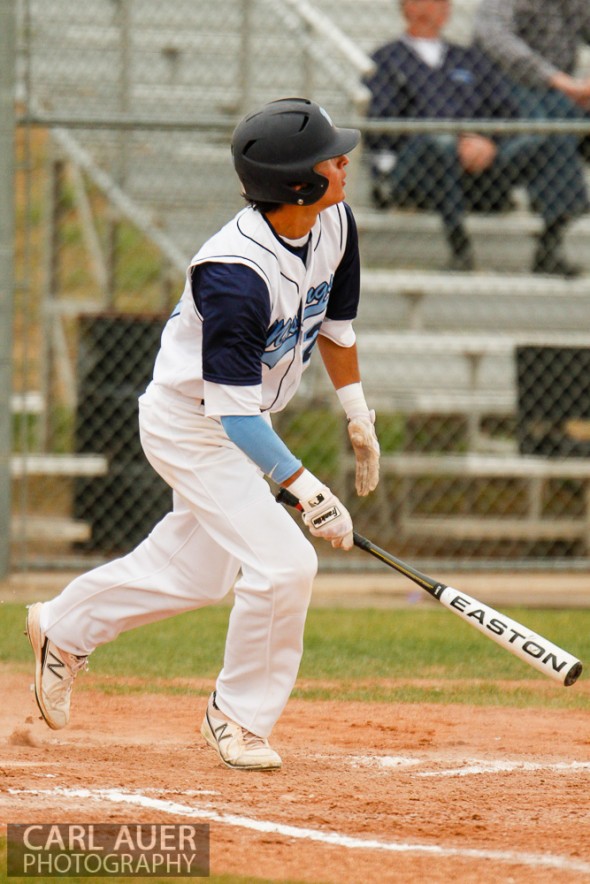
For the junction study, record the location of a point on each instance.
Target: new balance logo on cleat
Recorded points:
(220, 732)
(53, 667)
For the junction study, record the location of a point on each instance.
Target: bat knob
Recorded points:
(285, 496)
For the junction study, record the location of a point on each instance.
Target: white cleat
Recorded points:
(55, 672)
(238, 748)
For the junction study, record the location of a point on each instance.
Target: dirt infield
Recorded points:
(368, 792)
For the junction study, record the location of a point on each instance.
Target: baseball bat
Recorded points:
(511, 635)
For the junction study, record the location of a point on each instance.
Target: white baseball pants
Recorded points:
(224, 520)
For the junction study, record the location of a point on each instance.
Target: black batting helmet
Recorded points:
(277, 147)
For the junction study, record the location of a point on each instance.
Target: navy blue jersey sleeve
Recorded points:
(344, 296)
(235, 306)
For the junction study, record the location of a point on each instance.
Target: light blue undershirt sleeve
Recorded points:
(258, 440)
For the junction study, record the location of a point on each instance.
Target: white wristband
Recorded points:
(306, 488)
(353, 400)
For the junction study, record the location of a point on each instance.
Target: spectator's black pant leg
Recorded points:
(428, 168)
(551, 169)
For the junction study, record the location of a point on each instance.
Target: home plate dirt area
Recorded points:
(368, 792)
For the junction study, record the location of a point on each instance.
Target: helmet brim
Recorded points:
(343, 142)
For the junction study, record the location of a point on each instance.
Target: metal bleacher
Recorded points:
(189, 62)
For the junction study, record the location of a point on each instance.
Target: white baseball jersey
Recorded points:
(252, 308)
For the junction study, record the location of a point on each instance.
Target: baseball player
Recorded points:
(281, 278)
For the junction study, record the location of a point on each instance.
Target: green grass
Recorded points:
(410, 655)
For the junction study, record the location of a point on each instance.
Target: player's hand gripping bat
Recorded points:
(509, 634)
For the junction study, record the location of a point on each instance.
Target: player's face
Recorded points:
(334, 170)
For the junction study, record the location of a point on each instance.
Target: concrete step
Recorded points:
(503, 242)
(445, 372)
(503, 302)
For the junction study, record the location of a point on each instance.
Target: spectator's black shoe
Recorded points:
(461, 262)
(555, 265)
(461, 251)
(549, 257)
(584, 148)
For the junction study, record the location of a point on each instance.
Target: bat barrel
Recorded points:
(530, 647)
(533, 649)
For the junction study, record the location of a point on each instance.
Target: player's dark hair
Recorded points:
(260, 206)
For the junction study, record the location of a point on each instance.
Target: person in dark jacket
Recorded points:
(536, 43)
(422, 76)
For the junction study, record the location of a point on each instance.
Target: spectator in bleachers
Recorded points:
(536, 43)
(423, 76)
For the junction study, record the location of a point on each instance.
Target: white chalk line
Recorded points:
(484, 767)
(388, 761)
(470, 767)
(335, 839)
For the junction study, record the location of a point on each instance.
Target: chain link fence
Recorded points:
(474, 327)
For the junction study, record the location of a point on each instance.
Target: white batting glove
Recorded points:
(361, 431)
(323, 513)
